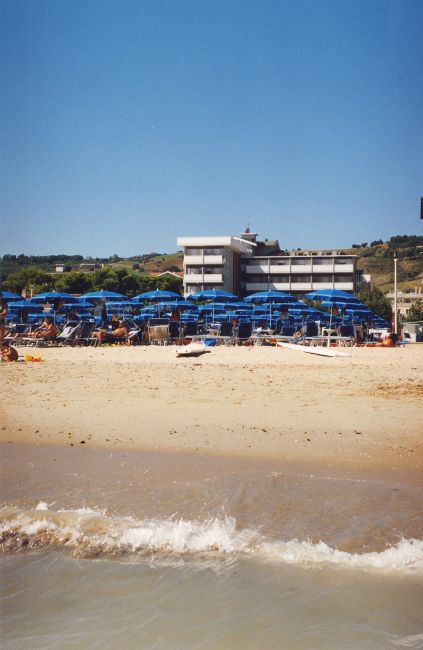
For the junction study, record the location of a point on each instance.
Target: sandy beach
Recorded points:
(362, 413)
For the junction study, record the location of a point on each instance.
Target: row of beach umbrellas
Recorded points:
(217, 301)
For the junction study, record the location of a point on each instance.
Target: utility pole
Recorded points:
(395, 296)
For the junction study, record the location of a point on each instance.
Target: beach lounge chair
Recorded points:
(190, 328)
(68, 333)
(134, 331)
(158, 331)
(84, 334)
(243, 332)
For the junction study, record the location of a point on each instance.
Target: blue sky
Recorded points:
(126, 123)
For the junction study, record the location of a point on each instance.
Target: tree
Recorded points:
(415, 313)
(73, 282)
(31, 279)
(169, 283)
(377, 302)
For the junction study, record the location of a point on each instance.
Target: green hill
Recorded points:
(377, 258)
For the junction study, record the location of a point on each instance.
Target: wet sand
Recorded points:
(362, 414)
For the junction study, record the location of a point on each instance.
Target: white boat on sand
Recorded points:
(311, 349)
(191, 350)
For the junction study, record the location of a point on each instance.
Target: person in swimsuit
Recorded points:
(3, 313)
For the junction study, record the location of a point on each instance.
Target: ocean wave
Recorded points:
(92, 533)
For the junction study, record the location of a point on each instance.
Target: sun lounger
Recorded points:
(158, 331)
(84, 334)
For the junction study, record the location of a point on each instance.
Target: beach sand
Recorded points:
(248, 498)
(362, 414)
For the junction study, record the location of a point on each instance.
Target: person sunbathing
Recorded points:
(386, 342)
(121, 332)
(47, 330)
(7, 352)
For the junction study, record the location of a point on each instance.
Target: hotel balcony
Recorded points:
(300, 286)
(279, 286)
(344, 268)
(344, 286)
(262, 268)
(281, 269)
(301, 268)
(322, 268)
(194, 260)
(200, 278)
(256, 286)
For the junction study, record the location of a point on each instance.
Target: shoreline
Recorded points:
(360, 415)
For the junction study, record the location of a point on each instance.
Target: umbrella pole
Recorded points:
(330, 327)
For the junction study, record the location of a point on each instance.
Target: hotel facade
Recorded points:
(244, 265)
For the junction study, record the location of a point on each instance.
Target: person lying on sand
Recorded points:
(7, 352)
(387, 342)
(121, 332)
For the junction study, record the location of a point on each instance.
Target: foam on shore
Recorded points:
(92, 533)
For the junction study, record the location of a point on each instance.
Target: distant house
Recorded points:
(172, 274)
(62, 268)
(405, 299)
(89, 266)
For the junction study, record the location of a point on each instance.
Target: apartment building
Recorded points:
(244, 265)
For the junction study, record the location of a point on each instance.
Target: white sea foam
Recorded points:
(89, 531)
(42, 505)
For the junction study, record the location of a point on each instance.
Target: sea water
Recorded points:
(139, 550)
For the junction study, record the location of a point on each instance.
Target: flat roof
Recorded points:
(235, 243)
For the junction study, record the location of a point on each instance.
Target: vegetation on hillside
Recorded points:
(377, 259)
(132, 274)
(122, 280)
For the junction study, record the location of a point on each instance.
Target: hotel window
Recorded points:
(321, 261)
(343, 260)
(275, 277)
(301, 278)
(300, 262)
(213, 251)
(211, 285)
(343, 278)
(257, 279)
(213, 269)
(322, 278)
(194, 270)
(193, 251)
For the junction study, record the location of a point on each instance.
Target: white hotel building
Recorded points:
(244, 265)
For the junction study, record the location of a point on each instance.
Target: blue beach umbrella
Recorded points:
(8, 296)
(119, 303)
(332, 295)
(25, 305)
(213, 295)
(104, 295)
(158, 295)
(51, 296)
(270, 297)
(177, 304)
(76, 306)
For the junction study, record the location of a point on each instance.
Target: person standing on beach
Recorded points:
(3, 313)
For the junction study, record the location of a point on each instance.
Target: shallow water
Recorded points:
(140, 550)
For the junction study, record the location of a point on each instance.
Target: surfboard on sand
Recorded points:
(191, 350)
(321, 351)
